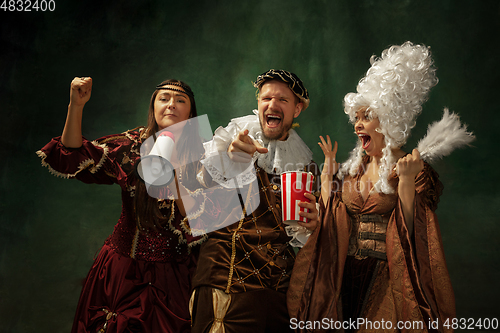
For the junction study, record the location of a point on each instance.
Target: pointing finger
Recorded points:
(259, 147)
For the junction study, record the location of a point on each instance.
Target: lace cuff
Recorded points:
(227, 173)
(222, 169)
(299, 235)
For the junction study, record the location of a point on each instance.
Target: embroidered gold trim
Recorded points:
(134, 243)
(191, 303)
(89, 162)
(199, 241)
(83, 165)
(110, 174)
(171, 226)
(233, 242)
(103, 158)
(109, 315)
(131, 189)
(194, 215)
(114, 137)
(139, 131)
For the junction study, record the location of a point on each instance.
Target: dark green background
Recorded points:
(51, 228)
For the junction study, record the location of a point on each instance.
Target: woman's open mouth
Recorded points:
(273, 120)
(365, 139)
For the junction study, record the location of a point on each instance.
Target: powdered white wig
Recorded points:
(393, 90)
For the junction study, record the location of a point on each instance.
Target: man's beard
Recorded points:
(275, 135)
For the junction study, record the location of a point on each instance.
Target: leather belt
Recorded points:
(370, 249)
(371, 253)
(364, 218)
(371, 235)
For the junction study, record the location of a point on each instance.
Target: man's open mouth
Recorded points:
(273, 120)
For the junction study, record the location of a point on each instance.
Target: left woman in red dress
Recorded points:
(141, 279)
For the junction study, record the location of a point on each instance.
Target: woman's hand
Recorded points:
(330, 167)
(409, 166)
(79, 94)
(81, 89)
(313, 212)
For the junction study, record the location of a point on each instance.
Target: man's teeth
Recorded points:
(273, 119)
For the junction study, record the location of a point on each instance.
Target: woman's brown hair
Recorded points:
(189, 149)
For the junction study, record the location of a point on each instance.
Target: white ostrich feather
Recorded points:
(443, 137)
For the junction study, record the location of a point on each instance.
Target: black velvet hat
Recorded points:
(293, 81)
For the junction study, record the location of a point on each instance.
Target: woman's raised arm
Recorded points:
(330, 167)
(80, 91)
(407, 168)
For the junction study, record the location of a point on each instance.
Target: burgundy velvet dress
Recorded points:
(141, 279)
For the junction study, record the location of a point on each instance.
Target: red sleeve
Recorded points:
(107, 160)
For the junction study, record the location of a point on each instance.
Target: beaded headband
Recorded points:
(293, 81)
(186, 90)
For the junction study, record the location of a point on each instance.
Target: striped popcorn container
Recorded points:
(294, 184)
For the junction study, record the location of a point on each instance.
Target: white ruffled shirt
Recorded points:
(289, 155)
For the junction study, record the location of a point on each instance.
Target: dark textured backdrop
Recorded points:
(51, 228)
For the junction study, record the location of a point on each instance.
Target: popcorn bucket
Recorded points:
(294, 184)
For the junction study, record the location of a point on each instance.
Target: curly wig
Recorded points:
(393, 90)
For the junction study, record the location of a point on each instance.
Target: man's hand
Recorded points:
(313, 212)
(243, 147)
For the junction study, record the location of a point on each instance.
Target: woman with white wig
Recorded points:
(377, 258)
